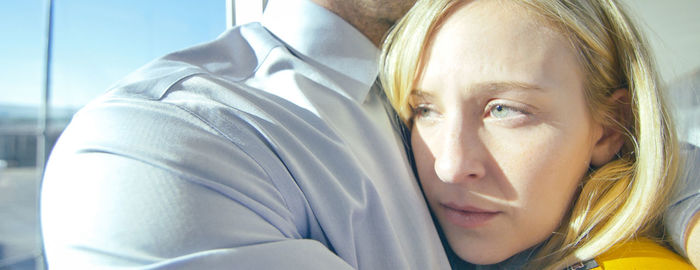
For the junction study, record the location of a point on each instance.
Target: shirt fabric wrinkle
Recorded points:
(282, 120)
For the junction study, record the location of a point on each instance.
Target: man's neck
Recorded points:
(373, 28)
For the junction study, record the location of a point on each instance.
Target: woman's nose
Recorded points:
(461, 158)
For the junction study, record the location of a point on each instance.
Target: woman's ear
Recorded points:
(612, 137)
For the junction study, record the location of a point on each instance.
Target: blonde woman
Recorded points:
(540, 135)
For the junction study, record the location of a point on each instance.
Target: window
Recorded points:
(94, 44)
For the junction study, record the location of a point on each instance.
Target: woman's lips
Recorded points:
(468, 217)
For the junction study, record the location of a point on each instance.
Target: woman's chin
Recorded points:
(482, 258)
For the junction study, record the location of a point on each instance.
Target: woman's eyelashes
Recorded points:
(495, 111)
(423, 110)
(507, 114)
(504, 111)
(499, 111)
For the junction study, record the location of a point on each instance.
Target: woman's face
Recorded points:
(501, 133)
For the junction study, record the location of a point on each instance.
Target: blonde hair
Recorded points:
(623, 198)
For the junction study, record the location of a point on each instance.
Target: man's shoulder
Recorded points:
(233, 57)
(226, 87)
(245, 86)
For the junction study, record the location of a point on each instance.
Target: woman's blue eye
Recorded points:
(501, 111)
(421, 111)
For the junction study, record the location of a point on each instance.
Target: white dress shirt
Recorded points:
(685, 202)
(268, 148)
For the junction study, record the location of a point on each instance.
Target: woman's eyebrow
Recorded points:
(504, 85)
(483, 86)
(420, 94)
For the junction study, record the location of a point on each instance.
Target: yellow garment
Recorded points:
(640, 254)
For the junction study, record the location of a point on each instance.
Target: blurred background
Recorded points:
(46, 76)
(58, 55)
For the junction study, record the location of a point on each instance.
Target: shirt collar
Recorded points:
(327, 40)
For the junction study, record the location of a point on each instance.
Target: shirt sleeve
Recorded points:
(148, 186)
(685, 202)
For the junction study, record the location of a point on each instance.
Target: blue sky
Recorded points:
(95, 43)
